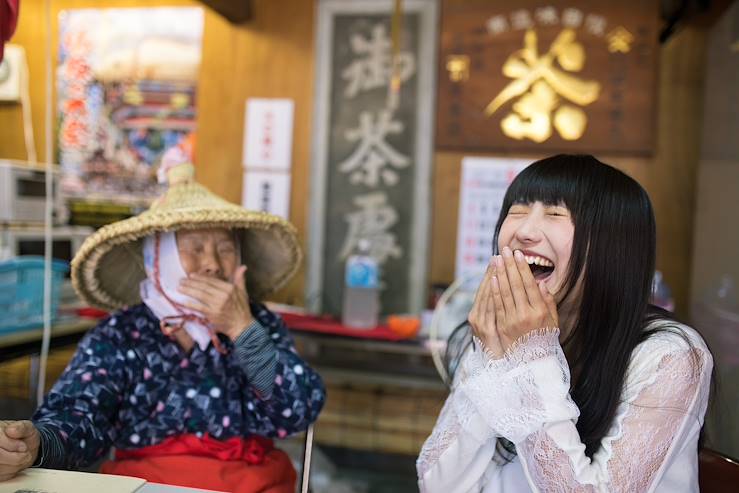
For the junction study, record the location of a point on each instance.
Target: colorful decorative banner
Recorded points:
(372, 148)
(126, 87)
(547, 76)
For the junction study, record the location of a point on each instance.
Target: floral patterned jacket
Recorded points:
(130, 386)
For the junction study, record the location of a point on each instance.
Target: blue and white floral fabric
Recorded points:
(130, 386)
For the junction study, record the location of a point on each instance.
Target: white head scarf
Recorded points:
(170, 275)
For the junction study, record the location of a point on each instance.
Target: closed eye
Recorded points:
(226, 249)
(518, 210)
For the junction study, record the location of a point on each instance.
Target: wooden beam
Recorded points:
(235, 11)
(702, 14)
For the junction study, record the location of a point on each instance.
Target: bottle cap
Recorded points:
(364, 245)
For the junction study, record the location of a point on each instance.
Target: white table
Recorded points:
(167, 488)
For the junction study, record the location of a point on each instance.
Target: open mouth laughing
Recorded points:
(541, 267)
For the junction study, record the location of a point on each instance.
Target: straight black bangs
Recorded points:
(556, 180)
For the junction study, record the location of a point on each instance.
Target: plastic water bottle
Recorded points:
(361, 305)
(724, 296)
(661, 293)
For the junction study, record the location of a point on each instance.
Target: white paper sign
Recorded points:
(267, 192)
(268, 134)
(484, 184)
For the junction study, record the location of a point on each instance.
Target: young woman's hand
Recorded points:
(19, 444)
(521, 304)
(482, 314)
(224, 304)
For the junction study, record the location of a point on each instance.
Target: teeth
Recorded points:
(535, 260)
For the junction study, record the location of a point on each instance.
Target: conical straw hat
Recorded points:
(108, 268)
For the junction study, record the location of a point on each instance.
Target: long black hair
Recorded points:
(613, 252)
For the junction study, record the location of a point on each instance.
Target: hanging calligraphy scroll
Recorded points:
(372, 148)
(576, 76)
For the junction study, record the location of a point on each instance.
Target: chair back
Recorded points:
(717, 473)
(307, 450)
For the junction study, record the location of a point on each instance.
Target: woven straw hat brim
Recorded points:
(108, 268)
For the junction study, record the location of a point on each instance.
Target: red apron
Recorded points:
(238, 465)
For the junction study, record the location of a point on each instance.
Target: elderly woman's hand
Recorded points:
(224, 304)
(19, 444)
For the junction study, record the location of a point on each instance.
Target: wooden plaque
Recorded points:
(576, 76)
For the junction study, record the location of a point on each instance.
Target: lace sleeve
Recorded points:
(663, 403)
(461, 446)
(526, 388)
(487, 402)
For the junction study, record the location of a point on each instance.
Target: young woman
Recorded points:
(572, 381)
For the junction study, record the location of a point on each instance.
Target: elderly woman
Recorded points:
(192, 375)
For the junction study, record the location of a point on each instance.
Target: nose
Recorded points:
(529, 230)
(210, 263)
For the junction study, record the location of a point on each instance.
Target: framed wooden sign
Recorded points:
(575, 76)
(372, 149)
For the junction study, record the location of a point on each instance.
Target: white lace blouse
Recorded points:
(524, 397)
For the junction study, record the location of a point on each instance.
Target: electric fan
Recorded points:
(451, 310)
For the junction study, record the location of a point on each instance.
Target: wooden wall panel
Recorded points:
(716, 235)
(675, 168)
(30, 33)
(272, 56)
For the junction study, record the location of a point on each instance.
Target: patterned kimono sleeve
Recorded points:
(297, 393)
(77, 418)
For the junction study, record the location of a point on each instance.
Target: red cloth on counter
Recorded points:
(328, 325)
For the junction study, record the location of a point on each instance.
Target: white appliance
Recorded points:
(66, 240)
(451, 310)
(23, 194)
(10, 73)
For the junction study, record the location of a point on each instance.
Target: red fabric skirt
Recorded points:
(238, 465)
